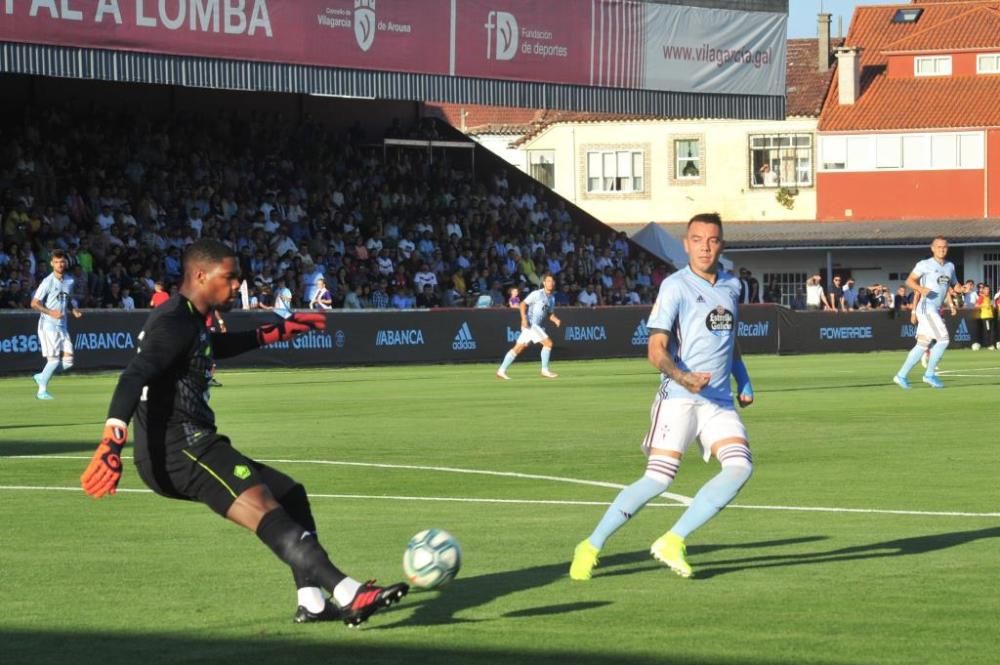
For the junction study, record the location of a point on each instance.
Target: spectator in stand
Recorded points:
(353, 299)
(127, 302)
(379, 296)
(850, 296)
(970, 294)
(282, 298)
(383, 263)
(514, 297)
(588, 297)
(425, 278)
(901, 301)
(496, 294)
(403, 299)
(113, 297)
(835, 294)
(877, 297)
(815, 296)
(428, 298)
(321, 298)
(985, 319)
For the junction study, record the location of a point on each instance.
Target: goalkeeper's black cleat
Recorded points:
(329, 613)
(369, 599)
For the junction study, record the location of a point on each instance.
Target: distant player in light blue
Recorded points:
(537, 307)
(54, 301)
(692, 341)
(934, 280)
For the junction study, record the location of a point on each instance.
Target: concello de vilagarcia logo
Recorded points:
(364, 23)
(362, 20)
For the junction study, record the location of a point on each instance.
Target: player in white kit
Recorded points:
(53, 299)
(692, 341)
(934, 280)
(535, 309)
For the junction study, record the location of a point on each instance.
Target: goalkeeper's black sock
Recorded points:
(296, 503)
(299, 549)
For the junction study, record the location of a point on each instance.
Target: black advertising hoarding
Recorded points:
(825, 332)
(108, 339)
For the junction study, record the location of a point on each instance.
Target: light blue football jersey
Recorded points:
(937, 277)
(55, 294)
(540, 306)
(702, 321)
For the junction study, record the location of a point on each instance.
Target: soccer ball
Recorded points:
(432, 558)
(975, 346)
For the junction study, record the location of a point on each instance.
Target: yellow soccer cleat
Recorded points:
(669, 550)
(584, 561)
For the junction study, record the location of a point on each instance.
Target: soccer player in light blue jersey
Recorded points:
(535, 309)
(933, 280)
(692, 341)
(54, 301)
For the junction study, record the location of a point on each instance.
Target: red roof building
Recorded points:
(910, 128)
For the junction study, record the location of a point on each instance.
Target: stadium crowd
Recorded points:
(123, 194)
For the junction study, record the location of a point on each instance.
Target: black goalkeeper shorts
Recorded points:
(215, 475)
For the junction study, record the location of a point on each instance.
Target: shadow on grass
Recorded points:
(469, 592)
(342, 647)
(887, 548)
(15, 448)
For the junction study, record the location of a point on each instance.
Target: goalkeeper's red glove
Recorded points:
(285, 329)
(105, 469)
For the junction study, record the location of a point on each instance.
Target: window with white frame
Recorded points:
(542, 166)
(914, 152)
(687, 153)
(615, 171)
(833, 152)
(781, 160)
(988, 63)
(991, 270)
(791, 286)
(937, 65)
(888, 151)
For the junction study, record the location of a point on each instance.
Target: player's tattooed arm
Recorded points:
(660, 358)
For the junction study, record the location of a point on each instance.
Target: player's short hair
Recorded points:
(207, 251)
(547, 274)
(58, 254)
(706, 218)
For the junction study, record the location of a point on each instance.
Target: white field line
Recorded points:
(678, 498)
(994, 371)
(450, 499)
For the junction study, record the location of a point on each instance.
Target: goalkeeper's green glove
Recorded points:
(105, 469)
(285, 329)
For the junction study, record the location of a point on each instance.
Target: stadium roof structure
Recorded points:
(197, 58)
(939, 102)
(806, 235)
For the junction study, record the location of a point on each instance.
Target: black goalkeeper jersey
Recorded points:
(165, 386)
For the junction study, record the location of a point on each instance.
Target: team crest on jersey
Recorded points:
(720, 321)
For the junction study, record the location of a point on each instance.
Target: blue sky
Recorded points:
(802, 14)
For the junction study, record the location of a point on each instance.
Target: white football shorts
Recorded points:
(532, 335)
(931, 325)
(54, 341)
(675, 423)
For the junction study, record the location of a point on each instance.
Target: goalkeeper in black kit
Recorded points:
(179, 453)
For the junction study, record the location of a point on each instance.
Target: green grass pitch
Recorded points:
(139, 579)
